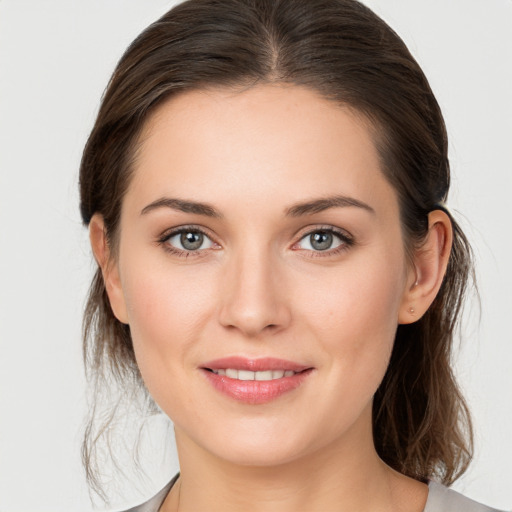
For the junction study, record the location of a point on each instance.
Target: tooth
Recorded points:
(232, 374)
(245, 375)
(266, 375)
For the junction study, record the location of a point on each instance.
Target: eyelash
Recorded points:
(165, 237)
(347, 242)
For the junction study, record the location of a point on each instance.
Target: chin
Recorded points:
(251, 455)
(256, 443)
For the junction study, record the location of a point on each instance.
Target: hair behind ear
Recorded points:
(422, 424)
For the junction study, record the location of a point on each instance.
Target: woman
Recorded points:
(264, 188)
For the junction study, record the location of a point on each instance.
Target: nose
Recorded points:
(254, 295)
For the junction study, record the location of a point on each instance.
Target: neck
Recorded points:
(346, 475)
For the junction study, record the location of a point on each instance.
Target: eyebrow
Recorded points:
(296, 210)
(319, 205)
(182, 206)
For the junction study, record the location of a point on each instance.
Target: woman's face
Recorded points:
(258, 237)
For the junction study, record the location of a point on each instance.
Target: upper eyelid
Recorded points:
(299, 235)
(343, 233)
(170, 232)
(347, 241)
(166, 235)
(163, 240)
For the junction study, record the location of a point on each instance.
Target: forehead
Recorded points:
(263, 142)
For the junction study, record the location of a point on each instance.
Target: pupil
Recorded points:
(191, 241)
(321, 240)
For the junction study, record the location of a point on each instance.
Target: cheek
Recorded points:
(167, 308)
(355, 313)
(358, 296)
(160, 295)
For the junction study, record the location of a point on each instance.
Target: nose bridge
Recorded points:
(253, 300)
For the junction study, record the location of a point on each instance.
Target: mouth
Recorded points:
(264, 375)
(255, 381)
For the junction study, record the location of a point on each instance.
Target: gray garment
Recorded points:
(440, 499)
(156, 501)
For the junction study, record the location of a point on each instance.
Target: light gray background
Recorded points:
(55, 59)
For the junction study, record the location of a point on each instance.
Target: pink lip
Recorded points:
(253, 391)
(255, 365)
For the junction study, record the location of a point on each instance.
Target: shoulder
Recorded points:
(154, 504)
(442, 499)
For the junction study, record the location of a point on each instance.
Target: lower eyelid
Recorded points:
(344, 239)
(345, 242)
(163, 240)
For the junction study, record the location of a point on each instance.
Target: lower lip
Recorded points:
(256, 391)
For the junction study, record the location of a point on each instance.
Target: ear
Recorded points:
(109, 268)
(428, 270)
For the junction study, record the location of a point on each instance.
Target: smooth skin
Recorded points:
(257, 285)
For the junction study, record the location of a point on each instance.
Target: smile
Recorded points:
(255, 381)
(249, 375)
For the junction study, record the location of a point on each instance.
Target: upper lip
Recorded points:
(254, 365)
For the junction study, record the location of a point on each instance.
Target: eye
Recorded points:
(188, 240)
(323, 240)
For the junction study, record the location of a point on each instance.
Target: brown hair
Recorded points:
(342, 50)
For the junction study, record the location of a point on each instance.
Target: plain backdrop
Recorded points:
(55, 59)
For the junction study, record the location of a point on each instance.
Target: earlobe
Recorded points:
(108, 267)
(430, 263)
